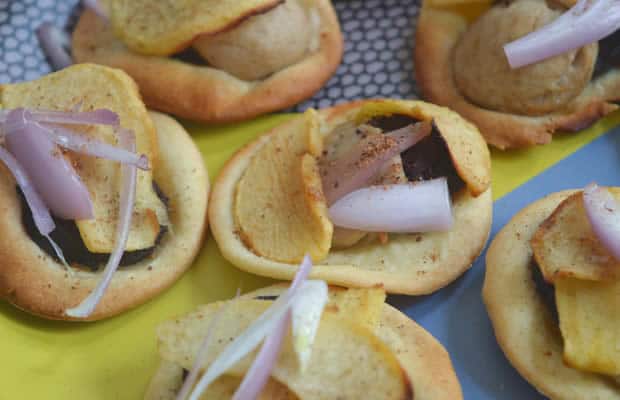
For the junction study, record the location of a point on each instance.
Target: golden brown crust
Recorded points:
(437, 33)
(34, 282)
(523, 325)
(412, 264)
(206, 94)
(429, 367)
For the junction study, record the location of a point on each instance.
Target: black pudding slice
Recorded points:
(545, 290)
(190, 56)
(67, 237)
(608, 54)
(428, 159)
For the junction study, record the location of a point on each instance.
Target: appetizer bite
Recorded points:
(215, 60)
(461, 63)
(317, 343)
(89, 178)
(552, 291)
(382, 192)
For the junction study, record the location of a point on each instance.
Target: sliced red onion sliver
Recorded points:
(40, 213)
(54, 43)
(587, 22)
(257, 376)
(305, 316)
(307, 311)
(96, 117)
(254, 334)
(413, 207)
(59, 253)
(202, 352)
(127, 199)
(56, 181)
(74, 141)
(71, 140)
(603, 213)
(348, 173)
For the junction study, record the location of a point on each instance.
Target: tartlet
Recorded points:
(425, 365)
(268, 208)
(189, 87)
(32, 278)
(460, 64)
(521, 307)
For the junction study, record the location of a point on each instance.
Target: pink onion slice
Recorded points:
(40, 213)
(96, 117)
(54, 43)
(127, 199)
(586, 22)
(304, 318)
(56, 181)
(307, 311)
(359, 165)
(73, 141)
(203, 351)
(413, 207)
(257, 376)
(603, 213)
(254, 334)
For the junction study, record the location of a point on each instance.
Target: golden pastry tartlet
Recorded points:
(460, 63)
(216, 61)
(268, 206)
(552, 295)
(356, 325)
(168, 219)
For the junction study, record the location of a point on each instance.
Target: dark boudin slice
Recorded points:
(67, 237)
(608, 55)
(427, 159)
(545, 290)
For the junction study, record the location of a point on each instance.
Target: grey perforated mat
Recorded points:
(377, 62)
